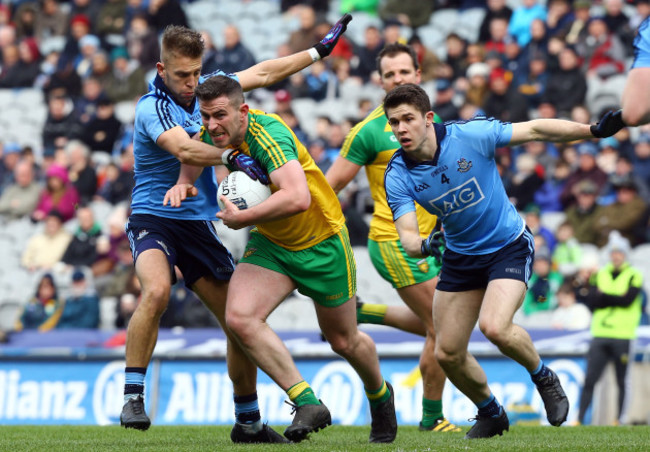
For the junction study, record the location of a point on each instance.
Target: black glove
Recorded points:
(609, 124)
(242, 162)
(434, 245)
(327, 44)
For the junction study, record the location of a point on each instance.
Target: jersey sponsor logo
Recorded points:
(458, 199)
(421, 187)
(463, 165)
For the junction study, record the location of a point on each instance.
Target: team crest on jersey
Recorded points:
(143, 234)
(463, 165)
(250, 252)
(423, 265)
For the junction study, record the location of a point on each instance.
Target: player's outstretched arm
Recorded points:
(560, 130)
(341, 173)
(272, 71)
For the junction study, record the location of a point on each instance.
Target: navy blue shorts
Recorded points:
(192, 245)
(462, 272)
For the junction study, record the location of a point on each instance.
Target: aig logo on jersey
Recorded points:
(458, 199)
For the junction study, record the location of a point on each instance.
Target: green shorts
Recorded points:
(326, 272)
(397, 267)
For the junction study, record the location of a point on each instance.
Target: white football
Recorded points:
(242, 191)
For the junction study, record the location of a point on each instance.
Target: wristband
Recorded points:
(313, 53)
(225, 155)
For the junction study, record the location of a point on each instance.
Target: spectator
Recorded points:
(587, 169)
(82, 249)
(80, 171)
(626, 215)
(305, 36)
(410, 13)
(365, 61)
(430, 64)
(602, 51)
(127, 81)
(89, 46)
(559, 17)
(51, 20)
(42, 312)
(209, 54)
(569, 314)
(24, 19)
(542, 286)
(619, 24)
(60, 125)
(522, 17)
(577, 32)
(85, 107)
(625, 169)
(477, 90)
(532, 217)
(499, 36)
(234, 56)
(567, 254)
(582, 215)
(532, 82)
(46, 248)
(495, 9)
(504, 101)
(20, 198)
(24, 72)
(318, 81)
(59, 194)
(547, 197)
(103, 131)
(111, 248)
(317, 150)
(119, 180)
(641, 157)
(525, 181)
(616, 306)
(110, 25)
(142, 42)
(79, 27)
(10, 59)
(566, 87)
(166, 12)
(85, 8)
(456, 55)
(81, 307)
(10, 157)
(444, 105)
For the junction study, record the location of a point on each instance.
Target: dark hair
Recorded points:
(179, 40)
(218, 86)
(394, 49)
(409, 94)
(50, 279)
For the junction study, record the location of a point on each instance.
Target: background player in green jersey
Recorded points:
(371, 144)
(299, 243)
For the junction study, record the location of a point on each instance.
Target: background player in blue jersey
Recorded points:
(163, 237)
(636, 96)
(450, 170)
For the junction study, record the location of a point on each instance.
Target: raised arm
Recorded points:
(272, 71)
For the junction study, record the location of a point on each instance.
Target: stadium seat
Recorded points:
(444, 20)
(469, 23)
(552, 220)
(125, 111)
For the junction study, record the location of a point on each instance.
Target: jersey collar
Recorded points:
(159, 84)
(441, 132)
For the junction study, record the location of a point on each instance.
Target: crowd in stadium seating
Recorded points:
(558, 58)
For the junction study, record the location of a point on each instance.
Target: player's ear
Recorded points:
(243, 109)
(429, 117)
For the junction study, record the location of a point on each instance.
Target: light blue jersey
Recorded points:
(156, 170)
(461, 185)
(642, 45)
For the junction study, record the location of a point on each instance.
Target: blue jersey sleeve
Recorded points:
(399, 199)
(490, 133)
(154, 116)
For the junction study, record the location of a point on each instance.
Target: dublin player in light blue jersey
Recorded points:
(450, 171)
(164, 238)
(636, 95)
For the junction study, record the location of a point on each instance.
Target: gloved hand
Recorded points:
(609, 124)
(327, 44)
(242, 162)
(434, 245)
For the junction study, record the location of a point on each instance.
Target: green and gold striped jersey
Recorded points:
(272, 143)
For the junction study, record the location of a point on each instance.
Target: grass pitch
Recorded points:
(334, 438)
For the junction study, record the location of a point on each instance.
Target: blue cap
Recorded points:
(587, 148)
(608, 142)
(11, 147)
(78, 275)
